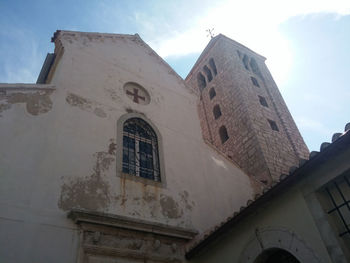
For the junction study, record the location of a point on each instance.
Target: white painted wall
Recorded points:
(48, 160)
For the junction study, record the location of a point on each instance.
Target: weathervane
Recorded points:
(210, 33)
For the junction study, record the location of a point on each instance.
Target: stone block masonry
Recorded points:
(263, 139)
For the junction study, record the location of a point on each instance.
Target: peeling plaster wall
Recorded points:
(65, 157)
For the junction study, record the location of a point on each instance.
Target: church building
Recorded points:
(112, 157)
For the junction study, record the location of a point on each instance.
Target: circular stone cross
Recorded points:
(136, 93)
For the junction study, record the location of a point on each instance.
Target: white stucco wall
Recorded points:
(293, 220)
(59, 159)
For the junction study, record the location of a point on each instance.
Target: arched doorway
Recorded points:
(276, 255)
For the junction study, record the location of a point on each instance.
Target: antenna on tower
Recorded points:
(210, 32)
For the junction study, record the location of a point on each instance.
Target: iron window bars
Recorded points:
(339, 195)
(140, 150)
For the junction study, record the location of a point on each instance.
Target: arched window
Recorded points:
(201, 81)
(140, 150)
(255, 82)
(276, 255)
(216, 111)
(263, 101)
(245, 61)
(208, 73)
(213, 66)
(212, 93)
(254, 67)
(223, 134)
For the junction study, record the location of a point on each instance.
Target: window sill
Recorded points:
(141, 180)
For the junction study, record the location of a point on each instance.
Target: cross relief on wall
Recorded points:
(136, 93)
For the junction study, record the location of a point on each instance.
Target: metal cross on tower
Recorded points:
(210, 32)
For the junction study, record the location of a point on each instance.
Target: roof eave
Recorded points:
(336, 147)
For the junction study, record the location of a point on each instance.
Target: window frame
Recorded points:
(119, 152)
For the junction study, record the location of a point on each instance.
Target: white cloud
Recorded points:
(241, 18)
(253, 23)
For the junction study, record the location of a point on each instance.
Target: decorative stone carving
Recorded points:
(96, 237)
(137, 93)
(174, 247)
(105, 235)
(156, 244)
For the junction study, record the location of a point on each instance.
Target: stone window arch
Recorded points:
(139, 145)
(212, 93)
(217, 112)
(276, 239)
(201, 81)
(223, 134)
(208, 73)
(276, 255)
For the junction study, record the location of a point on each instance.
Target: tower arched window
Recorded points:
(254, 66)
(212, 93)
(217, 111)
(140, 150)
(208, 73)
(201, 81)
(223, 134)
(245, 61)
(213, 66)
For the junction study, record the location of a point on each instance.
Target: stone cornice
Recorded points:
(25, 86)
(82, 216)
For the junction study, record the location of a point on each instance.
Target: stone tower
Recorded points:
(242, 112)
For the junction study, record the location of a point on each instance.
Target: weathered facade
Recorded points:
(112, 157)
(62, 148)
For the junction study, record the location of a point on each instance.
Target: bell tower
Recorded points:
(242, 112)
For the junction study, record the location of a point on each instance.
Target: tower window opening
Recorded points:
(208, 73)
(213, 66)
(245, 61)
(223, 134)
(263, 101)
(201, 81)
(255, 82)
(254, 67)
(212, 93)
(216, 112)
(273, 125)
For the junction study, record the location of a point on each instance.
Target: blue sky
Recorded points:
(306, 43)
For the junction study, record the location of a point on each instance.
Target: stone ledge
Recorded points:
(82, 216)
(26, 86)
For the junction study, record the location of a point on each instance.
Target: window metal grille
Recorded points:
(140, 150)
(339, 196)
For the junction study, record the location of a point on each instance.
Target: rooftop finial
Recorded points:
(210, 32)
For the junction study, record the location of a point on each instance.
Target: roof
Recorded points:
(135, 37)
(340, 142)
(90, 34)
